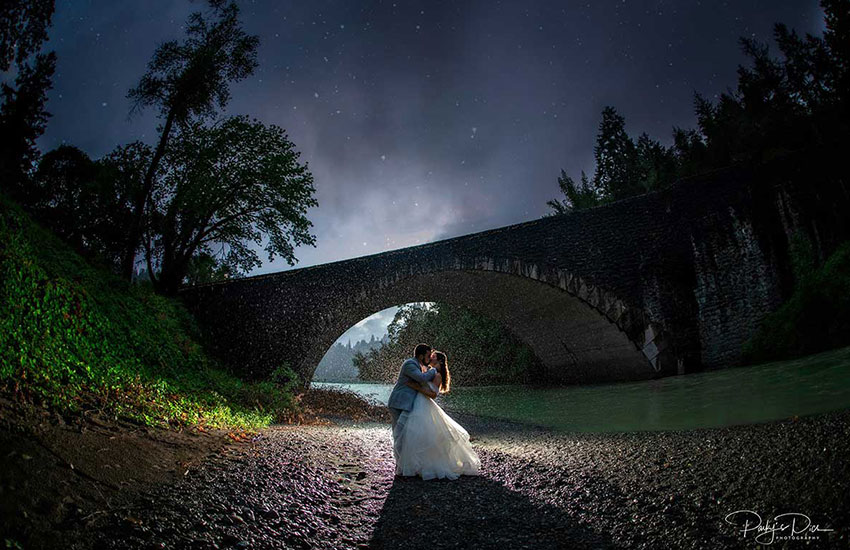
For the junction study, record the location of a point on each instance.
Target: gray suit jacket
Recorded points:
(403, 395)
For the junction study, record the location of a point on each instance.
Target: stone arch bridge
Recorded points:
(664, 283)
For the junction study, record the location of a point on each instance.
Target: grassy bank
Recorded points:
(816, 317)
(76, 338)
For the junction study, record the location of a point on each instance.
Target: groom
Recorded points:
(401, 399)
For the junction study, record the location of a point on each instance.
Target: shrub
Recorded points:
(814, 319)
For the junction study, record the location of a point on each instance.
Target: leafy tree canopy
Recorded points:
(227, 188)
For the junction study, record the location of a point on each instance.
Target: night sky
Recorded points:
(423, 120)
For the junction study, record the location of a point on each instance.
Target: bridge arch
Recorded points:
(579, 331)
(686, 274)
(575, 340)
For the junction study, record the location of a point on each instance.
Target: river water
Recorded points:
(743, 395)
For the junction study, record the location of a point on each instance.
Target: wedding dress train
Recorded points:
(433, 445)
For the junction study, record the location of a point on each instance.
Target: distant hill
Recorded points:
(338, 366)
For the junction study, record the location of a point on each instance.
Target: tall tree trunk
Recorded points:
(134, 236)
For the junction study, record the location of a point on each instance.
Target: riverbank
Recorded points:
(61, 470)
(331, 485)
(713, 399)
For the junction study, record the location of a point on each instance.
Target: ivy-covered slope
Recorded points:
(74, 336)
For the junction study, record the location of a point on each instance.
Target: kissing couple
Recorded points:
(426, 441)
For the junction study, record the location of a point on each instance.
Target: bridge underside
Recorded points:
(574, 342)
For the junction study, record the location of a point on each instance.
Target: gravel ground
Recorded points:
(332, 486)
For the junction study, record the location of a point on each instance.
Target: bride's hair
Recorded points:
(443, 369)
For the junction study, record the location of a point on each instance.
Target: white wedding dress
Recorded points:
(433, 445)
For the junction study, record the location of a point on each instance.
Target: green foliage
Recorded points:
(654, 165)
(86, 202)
(480, 351)
(225, 187)
(814, 319)
(615, 156)
(802, 255)
(285, 377)
(786, 103)
(201, 201)
(65, 193)
(192, 78)
(205, 268)
(576, 196)
(72, 335)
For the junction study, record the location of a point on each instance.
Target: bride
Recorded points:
(432, 444)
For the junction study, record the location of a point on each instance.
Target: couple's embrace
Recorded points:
(426, 441)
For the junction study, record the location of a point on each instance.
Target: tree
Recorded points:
(576, 197)
(23, 29)
(120, 175)
(833, 53)
(225, 187)
(655, 165)
(623, 169)
(23, 119)
(480, 350)
(780, 104)
(689, 151)
(87, 202)
(206, 268)
(65, 194)
(187, 81)
(614, 154)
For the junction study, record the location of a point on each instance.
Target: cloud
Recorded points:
(376, 324)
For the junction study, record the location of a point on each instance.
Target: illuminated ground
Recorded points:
(332, 487)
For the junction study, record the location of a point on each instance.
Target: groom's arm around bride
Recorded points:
(412, 370)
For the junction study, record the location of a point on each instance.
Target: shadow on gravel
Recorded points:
(473, 512)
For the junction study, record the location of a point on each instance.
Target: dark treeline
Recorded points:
(337, 365)
(190, 204)
(780, 104)
(480, 351)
